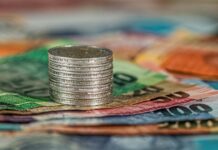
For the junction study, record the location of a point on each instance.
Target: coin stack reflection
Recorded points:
(80, 75)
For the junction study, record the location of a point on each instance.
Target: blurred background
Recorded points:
(59, 18)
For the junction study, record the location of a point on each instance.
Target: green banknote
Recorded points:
(24, 79)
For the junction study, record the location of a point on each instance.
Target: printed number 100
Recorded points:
(183, 111)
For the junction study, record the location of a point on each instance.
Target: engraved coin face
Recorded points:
(80, 52)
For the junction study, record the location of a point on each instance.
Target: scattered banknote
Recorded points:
(208, 126)
(161, 98)
(200, 109)
(200, 82)
(181, 60)
(204, 109)
(188, 58)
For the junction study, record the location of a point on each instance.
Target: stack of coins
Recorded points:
(80, 75)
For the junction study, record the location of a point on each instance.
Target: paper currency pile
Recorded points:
(165, 79)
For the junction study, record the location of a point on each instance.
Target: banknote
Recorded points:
(155, 101)
(24, 87)
(155, 55)
(200, 109)
(205, 62)
(208, 126)
(200, 82)
(56, 142)
(195, 110)
(175, 58)
(212, 84)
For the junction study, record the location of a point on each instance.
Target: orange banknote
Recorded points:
(197, 57)
(192, 61)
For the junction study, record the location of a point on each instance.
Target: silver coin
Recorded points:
(88, 88)
(93, 75)
(93, 102)
(80, 95)
(79, 92)
(82, 77)
(74, 90)
(81, 64)
(80, 52)
(82, 81)
(81, 73)
(80, 87)
(74, 53)
(79, 82)
(67, 97)
(80, 69)
(75, 73)
(62, 98)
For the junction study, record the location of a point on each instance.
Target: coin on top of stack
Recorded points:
(80, 75)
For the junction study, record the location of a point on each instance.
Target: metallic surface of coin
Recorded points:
(80, 75)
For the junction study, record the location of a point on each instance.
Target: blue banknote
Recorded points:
(200, 82)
